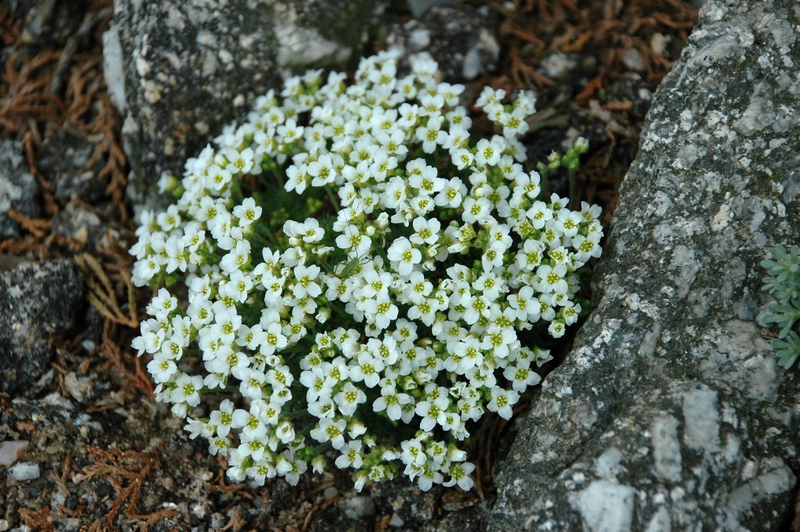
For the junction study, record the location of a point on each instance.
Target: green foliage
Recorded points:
(783, 282)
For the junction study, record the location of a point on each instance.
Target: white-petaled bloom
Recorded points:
(487, 153)
(239, 162)
(551, 279)
(296, 179)
(381, 311)
(316, 383)
(306, 284)
(568, 222)
(290, 131)
(525, 305)
(252, 383)
(531, 254)
(354, 241)
(351, 455)
(462, 158)
(162, 368)
(557, 328)
(490, 96)
(310, 231)
(403, 256)
(539, 214)
(425, 231)
(392, 402)
(493, 256)
(514, 124)
(187, 389)
(521, 377)
(431, 134)
(275, 339)
(430, 409)
(322, 171)
(460, 474)
(502, 401)
(222, 419)
(349, 398)
(498, 339)
(475, 209)
(586, 247)
(367, 368)
(452, 193)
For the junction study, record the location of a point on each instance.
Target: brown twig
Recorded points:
(102, 295)
(45, 186)
(110, 350)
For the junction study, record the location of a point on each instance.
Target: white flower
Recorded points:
(475, 209)
(431, 134)
(329, 430)
(568, 222)
(381, 311)
(551, 279)
(490, 96)
(493, 256)
(425, 231)
(488, 152)
(403, 256)
(514, 124)
(502, 401)
(352, 239)
(539, 214)
(460, 474)
(306, 281)
(238, 162)
(349, 398)
(162, 368)
(521, 377)
(429, 411)
(366, 369)
(392, 402)
(322, 171)
(275, 339)
(452, 193)
(187, 389)
(525, 305)
(351, 455)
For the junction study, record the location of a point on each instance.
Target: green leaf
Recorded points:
(788, 350)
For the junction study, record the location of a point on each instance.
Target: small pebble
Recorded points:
(359, 507)
(11, 451)
(24, 471)
(396, 521)
(633, 60)
(330, 492)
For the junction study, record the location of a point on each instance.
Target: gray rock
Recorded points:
(459, 37)
(18, 188)
(420, 7)
(24, 471)
(358, 507)
(64, 160)
(182, 70)
(671, 412)
(82, 226)
(37, 300)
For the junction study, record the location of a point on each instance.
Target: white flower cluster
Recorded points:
(404, 302)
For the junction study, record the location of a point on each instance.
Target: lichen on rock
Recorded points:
(671, 370)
